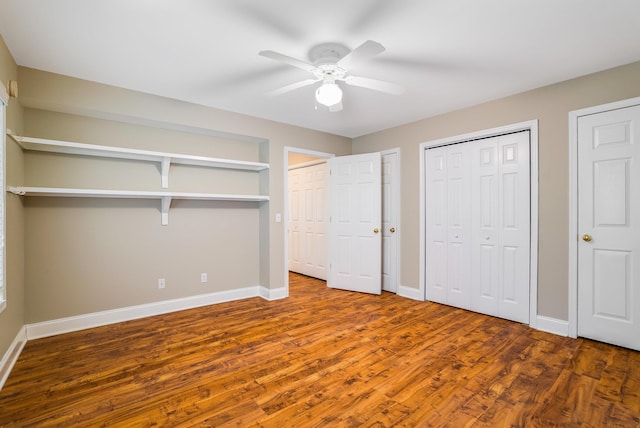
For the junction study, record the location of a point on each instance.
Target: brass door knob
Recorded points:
(392, 230)
(586, 238)
(376, 230)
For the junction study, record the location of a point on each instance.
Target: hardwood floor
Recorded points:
(321, 358)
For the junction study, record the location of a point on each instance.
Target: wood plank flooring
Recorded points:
(321, 358)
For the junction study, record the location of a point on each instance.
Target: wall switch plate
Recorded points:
(203, 277)
(278, 217)
(160, 282)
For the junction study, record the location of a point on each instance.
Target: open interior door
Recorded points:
(355, 221)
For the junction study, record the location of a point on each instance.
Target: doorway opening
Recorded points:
(295, 157)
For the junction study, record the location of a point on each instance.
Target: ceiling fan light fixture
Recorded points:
(329, 94)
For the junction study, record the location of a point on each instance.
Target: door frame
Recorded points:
(532, 127)
(573, 201)
(396, 204)
(285, 214)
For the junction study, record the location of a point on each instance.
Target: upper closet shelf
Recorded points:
(165, 159)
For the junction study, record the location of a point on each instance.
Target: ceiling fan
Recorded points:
(330, 64)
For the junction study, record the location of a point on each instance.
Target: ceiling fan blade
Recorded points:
(292, 87)
(288, 60)
(363, 52)
(377, 85)
(336, 107)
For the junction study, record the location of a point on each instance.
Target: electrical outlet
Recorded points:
(160, 282)
(203, 277)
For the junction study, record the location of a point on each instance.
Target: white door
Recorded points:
(478, 225)
(355, 220)
(514, 192)
(485, 239)
(295, 233)
(458, 220)
(448, 218)
(390, 214)
(436, 226)
(307, 219)
(316, 257)
(501, 224)
(609, 234)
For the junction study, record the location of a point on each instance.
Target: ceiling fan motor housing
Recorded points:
(325, 56)
(327, 53)
(329, 73)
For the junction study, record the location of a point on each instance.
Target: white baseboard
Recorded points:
(11, 356)
(97, 319)
(273, 293)
(410, 293)
(552, 325)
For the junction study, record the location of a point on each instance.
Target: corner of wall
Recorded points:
(12, 317)
(410, 293)
(11, 355)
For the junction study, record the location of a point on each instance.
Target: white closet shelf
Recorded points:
(164, 197)
(165, 159)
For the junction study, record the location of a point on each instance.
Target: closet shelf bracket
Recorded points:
(165, 205)
(165, 165)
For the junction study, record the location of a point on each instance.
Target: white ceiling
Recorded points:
(447, 53)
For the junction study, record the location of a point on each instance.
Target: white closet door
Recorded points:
(449, 225)
(317, 256)
(295, 235)
(436, 224)
(515, 221)
(478, 226)
(486, 227)
(308, 220)
(458, 220)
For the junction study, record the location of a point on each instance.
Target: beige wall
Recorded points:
(550, 105)
(87, 255)
(12, 318)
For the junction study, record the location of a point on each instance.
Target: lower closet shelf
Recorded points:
(164, 197)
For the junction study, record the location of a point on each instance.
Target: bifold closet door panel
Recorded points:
(485, 238)
(458, 226)
(515, 221)
(315, 220)
(436, 224)
(307, 220)
(501, 226)
(448, 226)
(295, 235)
